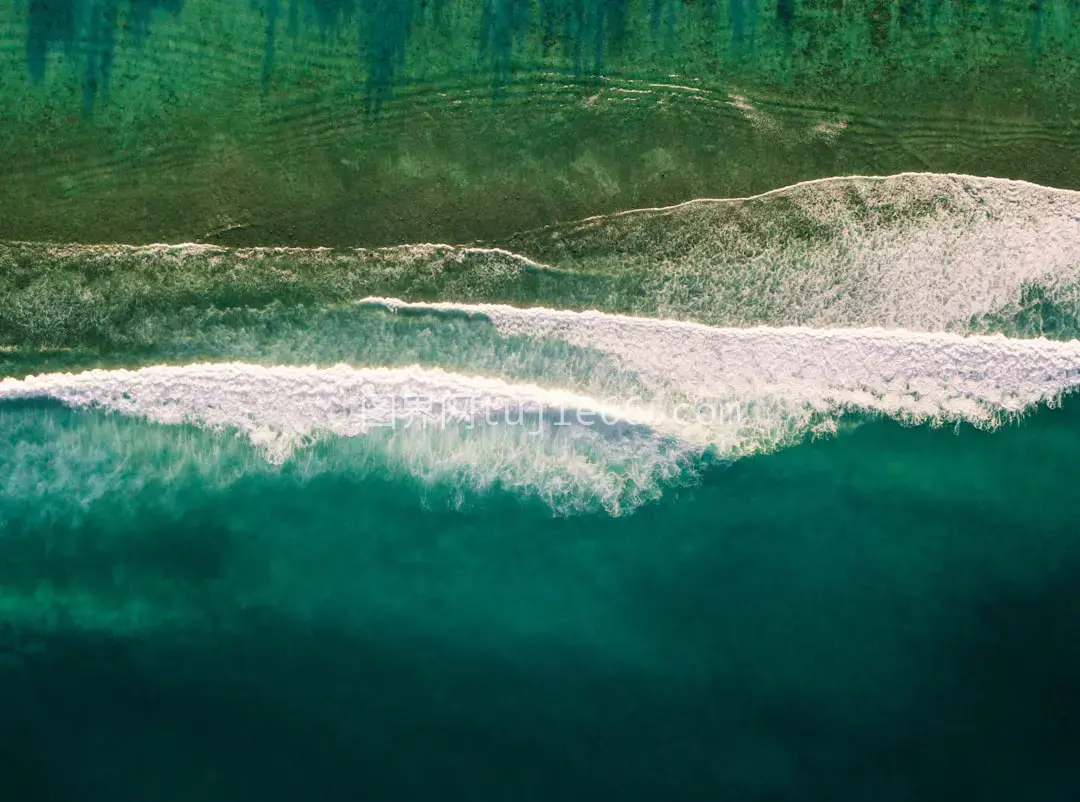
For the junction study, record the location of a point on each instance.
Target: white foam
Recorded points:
(571, 450)
(780, 382)
(920, 251)
(279, 406)
(783, 377)
(917, 251)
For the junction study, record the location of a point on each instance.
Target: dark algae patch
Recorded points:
(354, 122)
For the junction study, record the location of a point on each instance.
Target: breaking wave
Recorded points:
(706, 391)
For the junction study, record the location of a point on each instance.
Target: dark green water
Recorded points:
(887, 615)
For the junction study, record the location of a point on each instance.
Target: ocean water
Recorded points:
(570, 400)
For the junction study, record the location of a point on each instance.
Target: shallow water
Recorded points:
(340, 122)
(501, 400)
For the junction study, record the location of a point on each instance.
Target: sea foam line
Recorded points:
(468, 432)
(280, 406)
(783, 383)
(919, 251)
(912, 375)
(783, 378)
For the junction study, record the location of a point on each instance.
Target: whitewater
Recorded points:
(774, 385)
(589, 363)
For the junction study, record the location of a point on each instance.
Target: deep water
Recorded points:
(889, 614)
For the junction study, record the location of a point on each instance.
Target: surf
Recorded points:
(915, 251)
(726, 392)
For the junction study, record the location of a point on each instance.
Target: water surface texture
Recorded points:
(552, 400)
(346, 122)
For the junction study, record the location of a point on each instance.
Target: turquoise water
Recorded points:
(415, 401)
(851, 618)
